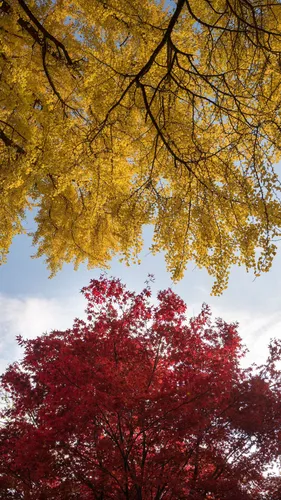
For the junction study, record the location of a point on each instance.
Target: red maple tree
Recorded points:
(138, 403)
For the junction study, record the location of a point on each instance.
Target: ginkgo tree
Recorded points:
(137, 403)
(115, 114)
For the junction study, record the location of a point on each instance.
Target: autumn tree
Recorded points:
(138, 403)
(115, 114)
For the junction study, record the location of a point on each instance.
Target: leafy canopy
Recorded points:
(136, 403)
(115, 114)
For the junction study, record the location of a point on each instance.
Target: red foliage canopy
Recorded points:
(138, 403)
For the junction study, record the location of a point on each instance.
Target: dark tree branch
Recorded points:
(10, 143)
(46, 34)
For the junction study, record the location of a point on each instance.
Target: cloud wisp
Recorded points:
(30, 317)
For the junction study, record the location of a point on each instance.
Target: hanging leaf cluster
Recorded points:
(117, 114)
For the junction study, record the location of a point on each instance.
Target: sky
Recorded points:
(32, 304)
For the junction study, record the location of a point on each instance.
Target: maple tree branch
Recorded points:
(101, 466)
(154, 364)
(68, 378)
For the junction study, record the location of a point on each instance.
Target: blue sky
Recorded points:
(31, 303)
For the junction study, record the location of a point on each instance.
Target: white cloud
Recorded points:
(30, 317)
(256, 329)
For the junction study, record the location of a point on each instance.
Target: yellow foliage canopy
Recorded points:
(120, 113)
